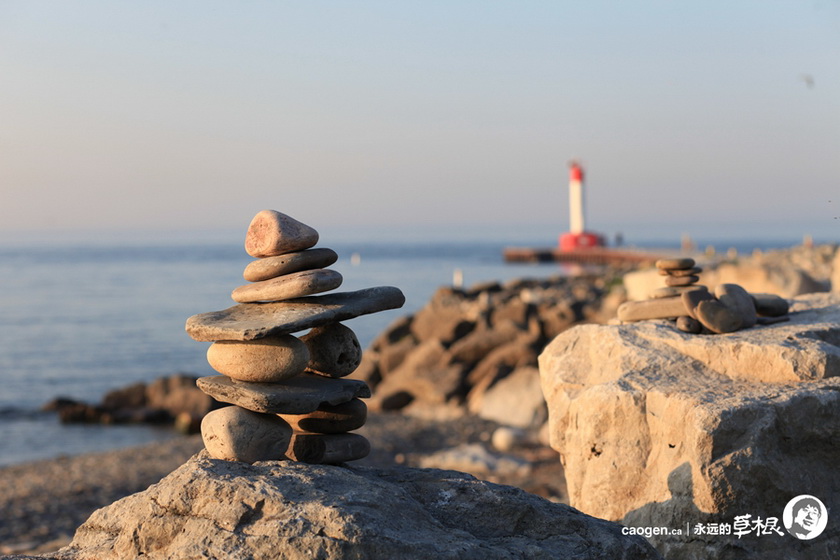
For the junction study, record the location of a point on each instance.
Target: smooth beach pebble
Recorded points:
(689, 325)
(680, 271)
(735, 297)
(267, 360)
(717, 317)
(334, 350)
(330, 419)
(770, 305)
(272, 233)
(272, 267)
(681, 280)
(327, 449)
(693, 297)
(679, 263)
(289, 286)
(236, 434)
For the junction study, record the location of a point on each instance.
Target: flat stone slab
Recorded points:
(299, 395)
(252, 321)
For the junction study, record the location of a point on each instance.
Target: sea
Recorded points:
(79, 318)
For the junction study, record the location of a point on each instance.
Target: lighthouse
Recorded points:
(577, 237)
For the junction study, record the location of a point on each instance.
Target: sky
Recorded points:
(708, 118)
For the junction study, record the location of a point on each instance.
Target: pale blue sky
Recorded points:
(689, 116)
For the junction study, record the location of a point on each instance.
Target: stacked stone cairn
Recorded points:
(696, 310)
(290, 399)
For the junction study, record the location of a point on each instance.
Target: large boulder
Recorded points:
(656, 427)
(223, 509)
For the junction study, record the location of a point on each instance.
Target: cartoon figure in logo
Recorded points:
(806, 518)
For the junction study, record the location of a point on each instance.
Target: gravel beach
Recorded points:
(43, 502)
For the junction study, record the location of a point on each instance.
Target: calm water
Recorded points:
(81, 319)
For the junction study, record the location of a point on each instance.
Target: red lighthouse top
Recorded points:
(575, 172)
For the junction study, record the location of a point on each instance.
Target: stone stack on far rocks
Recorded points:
(681, 275)
(290, 401)
(695, 310)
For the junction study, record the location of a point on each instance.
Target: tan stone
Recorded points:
(289, 286)
(272, 267)
(659, 308)
(267, 360)
(330, 419)
(334, 350)
(236, 434)
(272, 233)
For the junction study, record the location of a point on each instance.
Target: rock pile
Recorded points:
(695, 310)
(476, 349)
(290, 399)
(167, 400)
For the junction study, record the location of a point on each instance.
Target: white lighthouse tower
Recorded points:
(577, 237)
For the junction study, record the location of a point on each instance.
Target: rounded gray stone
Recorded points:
(334, 350)
(689, 325)
(770, 305)
(717, 317)
(681, 280)
(680, 271)
(693, 297)
(289, 286)
(235, 434)
(272, 267)
(735, 297)
(676, 263)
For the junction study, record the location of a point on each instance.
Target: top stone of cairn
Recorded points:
(272, 233)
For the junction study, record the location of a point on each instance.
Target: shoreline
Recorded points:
(44, 501)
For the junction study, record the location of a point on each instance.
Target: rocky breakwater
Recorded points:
(707, 437)
(475, 350)
(290, 399)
